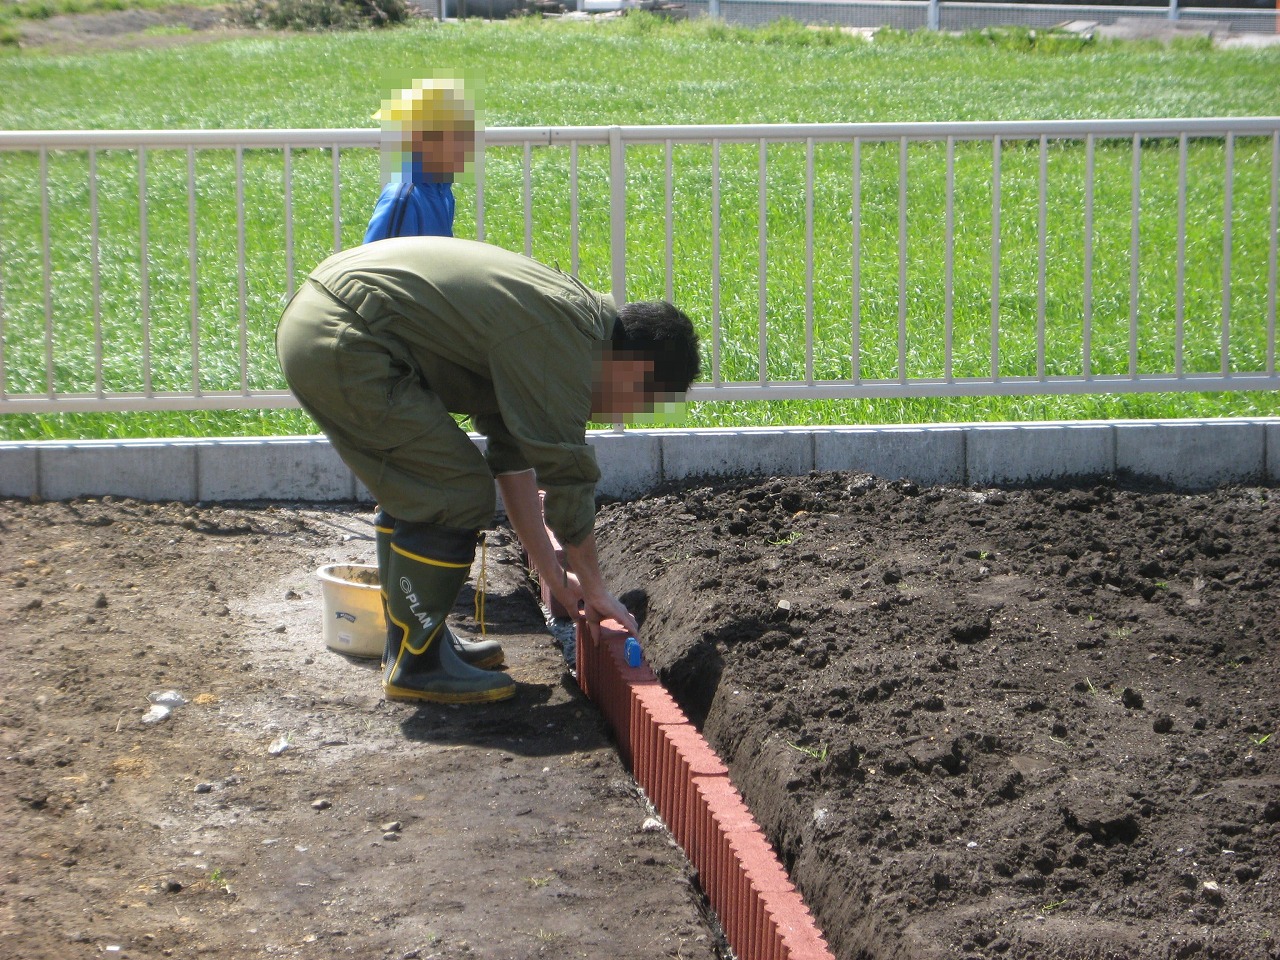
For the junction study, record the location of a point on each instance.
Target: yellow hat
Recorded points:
(429, 105)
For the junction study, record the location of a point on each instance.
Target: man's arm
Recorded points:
(585, 586)
(599, 602)
(524, 510)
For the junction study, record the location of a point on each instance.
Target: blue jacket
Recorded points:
(413, 205)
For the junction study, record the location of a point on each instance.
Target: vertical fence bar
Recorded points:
(762, 261)
(1180, 282)
(902, 259)
(288, 220)
(808, 261)
(144, 271)
(47, 264)
(4, 332)
(1228, 213)
(855, 319)
(95, 267)
(949, 266)
(336, 176)
(715, 261)
(479, 172)
(1273, 255)
(527, 196)
(669, 222)
(1042, 254)
(618, 215)
(1135, 238)
(996, 156)
(575, 243)
(1086, 343)
(241, 271)
(193, 268)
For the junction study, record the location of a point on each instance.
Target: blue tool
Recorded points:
(633, 652)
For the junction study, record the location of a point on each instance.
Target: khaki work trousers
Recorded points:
(396, 435)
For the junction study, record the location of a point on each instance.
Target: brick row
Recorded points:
(762, 914)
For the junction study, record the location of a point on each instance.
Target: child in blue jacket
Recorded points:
(429, 137)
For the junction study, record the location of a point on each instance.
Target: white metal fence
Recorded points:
(146, 269)
(951, 15)
(961, 15)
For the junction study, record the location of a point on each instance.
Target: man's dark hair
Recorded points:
(658, 331)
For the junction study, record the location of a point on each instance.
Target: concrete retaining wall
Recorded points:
(1189, 454)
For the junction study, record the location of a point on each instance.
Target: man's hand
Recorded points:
(609, 607)
(603, 606)
(583, 590)
(567, 591)
(599, 603)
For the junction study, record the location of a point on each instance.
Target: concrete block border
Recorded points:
(1189, 454)
(1214, 452)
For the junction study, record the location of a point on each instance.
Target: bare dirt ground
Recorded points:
(1037, 724)
(127, 29)
(380, 830)
(1031, 724)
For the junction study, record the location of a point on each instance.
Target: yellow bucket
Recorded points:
(354, 623)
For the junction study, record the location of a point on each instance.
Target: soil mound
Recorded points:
(1031, 724)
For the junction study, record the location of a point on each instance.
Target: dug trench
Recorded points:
(1031, 723)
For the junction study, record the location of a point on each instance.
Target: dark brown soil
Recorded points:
(1019, 724)
(976, 723)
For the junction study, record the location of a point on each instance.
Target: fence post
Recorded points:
(713, 9)
(935, 19)
(1173, 9)
(617, 216)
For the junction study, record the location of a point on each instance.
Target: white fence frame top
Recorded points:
(761, 276)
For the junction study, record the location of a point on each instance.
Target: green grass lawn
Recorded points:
(546, 73)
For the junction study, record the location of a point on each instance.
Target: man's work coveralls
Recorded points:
(385, 341)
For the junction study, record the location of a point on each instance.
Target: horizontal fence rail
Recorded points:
(146, 269)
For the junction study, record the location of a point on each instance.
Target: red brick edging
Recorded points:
(762, 914)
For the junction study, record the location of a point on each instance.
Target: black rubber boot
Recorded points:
(426, 567)
(485, 654)
(478, 653)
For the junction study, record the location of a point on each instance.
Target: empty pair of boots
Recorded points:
(423, 567)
